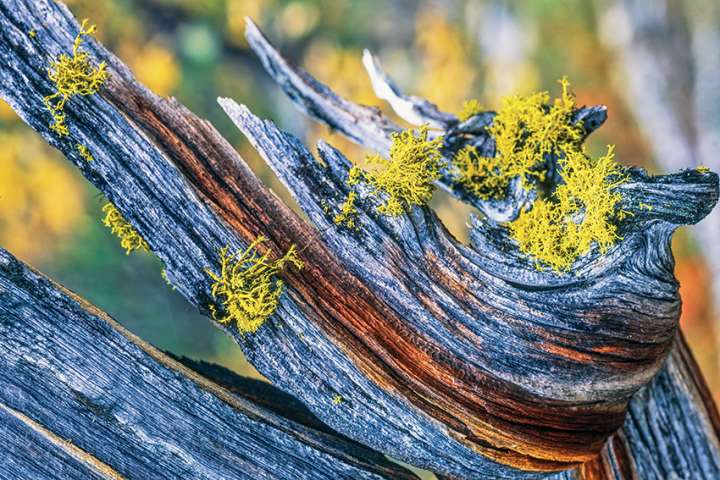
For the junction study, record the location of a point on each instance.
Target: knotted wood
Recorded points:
(465, 360)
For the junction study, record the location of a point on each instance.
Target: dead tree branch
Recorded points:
(465, 360)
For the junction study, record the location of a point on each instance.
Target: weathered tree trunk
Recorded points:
(84, 398)
(464, 360)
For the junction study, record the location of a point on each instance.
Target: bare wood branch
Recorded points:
(86, 397)
(414, 110)
(679, 383)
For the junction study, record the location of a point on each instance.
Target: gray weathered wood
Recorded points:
(82, 397)
(461, 359)
(676, 403)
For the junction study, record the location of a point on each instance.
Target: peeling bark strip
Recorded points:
(462, 360)
(97, 402)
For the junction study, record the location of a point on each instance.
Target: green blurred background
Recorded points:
(655, 64)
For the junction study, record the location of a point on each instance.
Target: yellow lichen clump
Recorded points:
(525, 130)
(85, 152)
(406, 179)
(470, 108)
(579, 213)
(72, 76)
(355, 174)
(246, 285)
(348, 212)
(481, 175)
(130, 239)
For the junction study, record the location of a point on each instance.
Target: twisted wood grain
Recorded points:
(461, 359)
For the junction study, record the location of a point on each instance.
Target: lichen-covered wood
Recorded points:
(462, 359)
(82, 397)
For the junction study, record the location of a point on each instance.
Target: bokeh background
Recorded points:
(654, 63)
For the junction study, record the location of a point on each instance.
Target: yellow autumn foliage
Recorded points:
(156, 67)
(41, 198)
(448, 73)
(341, 69)
(6, 111)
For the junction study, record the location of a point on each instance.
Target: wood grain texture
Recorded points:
(645, 243)
(464, 360)
(663, 423)
(671, 430)
(151, 159)
(82, 397)
(31, 452)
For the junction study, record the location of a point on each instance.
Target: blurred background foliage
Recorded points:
(645, 60)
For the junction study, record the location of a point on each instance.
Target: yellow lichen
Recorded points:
(85, 152)
(406, 179)
(348, 212)
(130, 239)
(526, 130)
(355, 174)
(483, 176)
(577, 215)
(703, 169)
(72, 76)
(623, 214)
(32, 33)
(470, 108)
(246, 286)
(337, 400)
